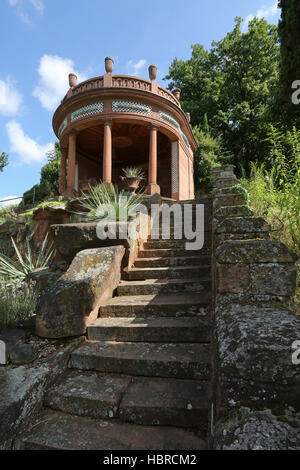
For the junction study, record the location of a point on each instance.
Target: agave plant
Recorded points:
(106, 201)
(133, 172)
(27, 263)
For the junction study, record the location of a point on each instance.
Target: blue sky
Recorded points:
(43, 40)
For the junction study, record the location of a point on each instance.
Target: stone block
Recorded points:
(254, 252)
(233, 278)
(73, 302)
(274, 279)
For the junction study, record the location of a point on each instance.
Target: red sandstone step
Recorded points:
(163, 286)
(171, 261)
(177, 360)
(179, 272)
(168, 252)
(59, 431)
(139, 400)
(157, 305)
(161, 329)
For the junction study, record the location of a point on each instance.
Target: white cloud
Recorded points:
(134, 68)
(38, 5)
(263, 12)
(53, 82)
(6, 202)
(21, 6)
(10, 98)
(26, 148)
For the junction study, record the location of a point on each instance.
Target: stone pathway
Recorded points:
(143, 378)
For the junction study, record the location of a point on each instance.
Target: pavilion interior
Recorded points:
(130, 147)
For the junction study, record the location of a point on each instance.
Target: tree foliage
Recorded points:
(49, 181)
(289, 33)
(234, 83)
(3, 161)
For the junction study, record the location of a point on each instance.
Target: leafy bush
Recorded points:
(106, 201)
(17, 304)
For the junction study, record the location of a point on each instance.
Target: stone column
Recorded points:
(63, 170)
(153, 187)
(107, 153)
(71, 163)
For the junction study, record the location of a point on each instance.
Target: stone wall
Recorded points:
(254, 281)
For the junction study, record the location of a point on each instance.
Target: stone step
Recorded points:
(168, 252)
(139, 400)
(157, 305)
(172, 330)
(179, 272)
(178, 360)
(167, 402)
(59, 431)
(88, 394)
(155, 286)
(171, 261)
(177, 244)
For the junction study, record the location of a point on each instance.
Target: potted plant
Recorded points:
(132, 176)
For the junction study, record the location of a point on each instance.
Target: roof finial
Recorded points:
(72, 80)
(152, 72)
(109, 64)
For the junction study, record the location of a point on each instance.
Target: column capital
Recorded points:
(153, 127)
(108, 122)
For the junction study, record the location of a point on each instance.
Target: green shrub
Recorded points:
(17, 305)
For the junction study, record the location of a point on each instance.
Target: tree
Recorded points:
(289, 33)
(49, 181)
(3, 161)
(234, 84)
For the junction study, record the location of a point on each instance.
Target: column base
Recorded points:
(152, 188)
(70, 192)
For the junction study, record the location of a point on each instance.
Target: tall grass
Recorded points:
(17, 304)
(275, 194)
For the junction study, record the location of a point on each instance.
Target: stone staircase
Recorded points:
(142, 380)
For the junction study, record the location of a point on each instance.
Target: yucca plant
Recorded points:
(106, 201)
(133, 172)
(27, 263)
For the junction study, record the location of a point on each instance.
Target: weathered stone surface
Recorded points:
(43, 278)
(12, 337)
(156, 305)
(191, 360)
(225, 171)
(233, 278)
(88, 394)
(177, 330)
(225, 182)
(73, 302)
(231, 211)
(155, 286)
(274, 279)
(179, 272)
(70, 239)
(22, 390)
(254, 252)
(44, 217)
(53, 430)
(23, 354)
(242, 225)
(228, 200)
(166, 402)
(258, 430)
(255, 347)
